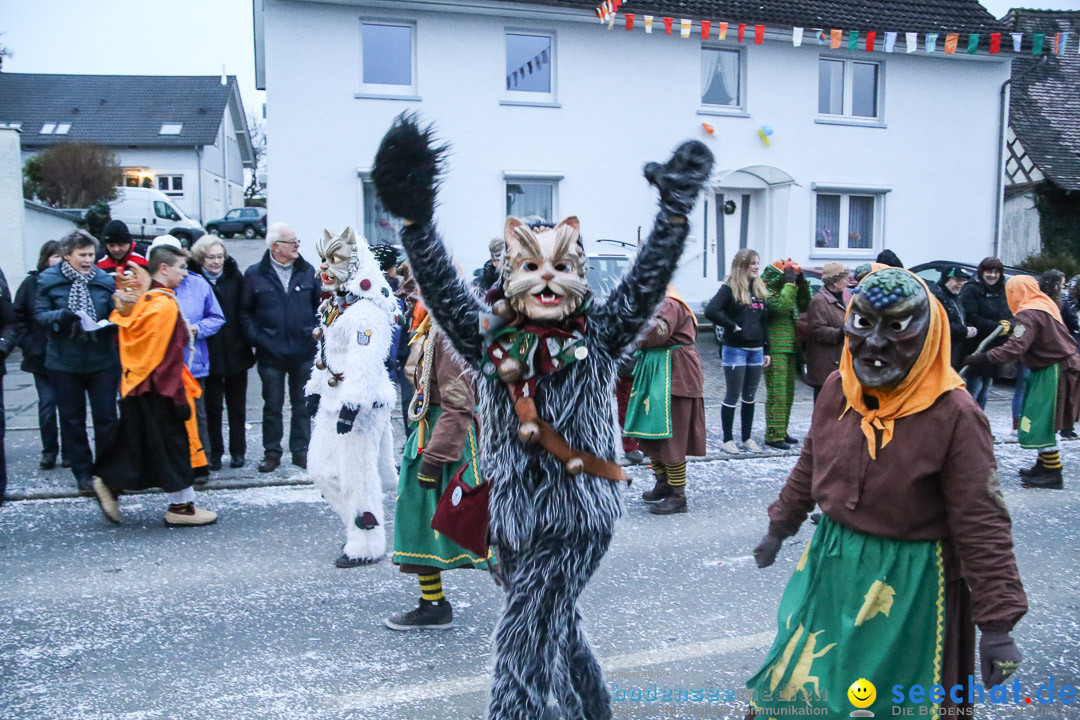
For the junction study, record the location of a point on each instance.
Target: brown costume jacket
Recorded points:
(675, 326)
(1039, 341)
(451, 387)
(826, 341)
(936, 480)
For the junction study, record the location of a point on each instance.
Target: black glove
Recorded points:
(407, 168)
(978, 362)
(67, 320)
(800, 279)
(428, 475)
(345, 419)
(311, 404)
(680, 179)
(789, 276)
(183, 411)
(765, 552)
(998, 656)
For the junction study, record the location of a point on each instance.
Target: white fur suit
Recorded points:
(351, 452)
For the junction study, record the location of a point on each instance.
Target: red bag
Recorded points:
(462, 514)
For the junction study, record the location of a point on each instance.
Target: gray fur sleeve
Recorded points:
(632, 303)
(445, 294)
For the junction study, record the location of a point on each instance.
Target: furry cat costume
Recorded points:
(549, 526)
(351, 454)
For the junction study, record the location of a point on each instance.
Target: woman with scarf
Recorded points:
(1042, 343)
(915, 546)
(80, 364)
(666, 409)
(984, 305)
(789, 295)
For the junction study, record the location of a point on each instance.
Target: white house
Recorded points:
(184, 135)
(550, 112)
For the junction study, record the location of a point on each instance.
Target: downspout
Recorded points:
(198, 166)
(1003, 128)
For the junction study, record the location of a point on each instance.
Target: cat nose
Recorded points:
(548, 276)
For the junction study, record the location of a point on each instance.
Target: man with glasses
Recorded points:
(277, 314)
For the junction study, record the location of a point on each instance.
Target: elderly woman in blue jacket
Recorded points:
(81, 364)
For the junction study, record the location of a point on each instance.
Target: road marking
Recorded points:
(398, 694)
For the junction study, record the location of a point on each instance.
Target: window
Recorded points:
(233, 214)
(849, 222)
(171, 128)
(380, 227)
(525, 197)
(163, 210)
(11, 125)
(721, 78)
(387, 54)
(849, 89)
(48, 128)
(530, 61)
(171, 184)
(62, 128)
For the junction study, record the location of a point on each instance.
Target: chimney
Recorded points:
(224, 77)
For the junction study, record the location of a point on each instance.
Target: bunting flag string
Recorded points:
(542, 58)
(1056, 43)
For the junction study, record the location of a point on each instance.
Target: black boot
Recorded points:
(674, 503)
(660, 491)
(1027, 472)
(436, 615)
(1045, 479)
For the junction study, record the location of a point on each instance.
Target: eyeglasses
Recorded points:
(294, 243)
(214, 257)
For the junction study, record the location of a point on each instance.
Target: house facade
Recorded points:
(821, 154)
(184, 135)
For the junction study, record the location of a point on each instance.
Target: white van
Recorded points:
(149, 213)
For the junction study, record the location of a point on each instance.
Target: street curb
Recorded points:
(300, 482)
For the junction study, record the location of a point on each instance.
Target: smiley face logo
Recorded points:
(862, 693)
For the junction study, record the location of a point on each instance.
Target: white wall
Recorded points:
(11, 208)
(40, 226)
(1020, 236)
(626, 98)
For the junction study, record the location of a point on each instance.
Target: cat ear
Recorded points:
(327, 235)
(567, 233)
(519, 235)
(348, 236)
(512, 224)
(573, 222)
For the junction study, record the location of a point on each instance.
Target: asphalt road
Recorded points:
(250, 619)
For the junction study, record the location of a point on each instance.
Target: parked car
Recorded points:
(247, 221)
(931, 271)
(604, 272)
(150, 213)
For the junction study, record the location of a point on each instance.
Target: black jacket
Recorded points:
(87, 353)
(230, 352)
(8, 329)
(29, 336)
(984, 308)
(752, 320)
(957, 322)
(277, 323)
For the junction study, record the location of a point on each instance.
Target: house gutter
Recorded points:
(198, 166)
(1003, 128)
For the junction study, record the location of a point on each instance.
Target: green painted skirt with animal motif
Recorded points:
(415, 543)
(859, 607)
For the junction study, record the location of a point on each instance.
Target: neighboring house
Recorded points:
(184, 135)
(1043, 147)
(869, 149)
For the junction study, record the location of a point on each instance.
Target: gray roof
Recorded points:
(1044, 109)
(116, 110)
(943, 16)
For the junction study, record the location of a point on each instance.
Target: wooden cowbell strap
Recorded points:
(555, 444)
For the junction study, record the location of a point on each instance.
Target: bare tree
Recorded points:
(257, 128)
(4, 52)
(72, 175)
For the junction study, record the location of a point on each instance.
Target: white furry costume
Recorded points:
(349, 458)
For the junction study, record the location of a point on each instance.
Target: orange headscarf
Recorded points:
(1023, 293)
(674, 295)
(929, 378)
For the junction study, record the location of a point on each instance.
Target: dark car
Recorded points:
(248, 221)
(931, 271)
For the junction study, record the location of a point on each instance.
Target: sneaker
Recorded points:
(48, 461)
(730, 447)
(429, 615)
(751, 446)
(189, 516)
(107, 500)
(777, 444)
(1069, 435)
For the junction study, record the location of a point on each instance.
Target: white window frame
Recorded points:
(739, 110)
(845, 191)
(170, 191)
(385, 91)
(846, 118)
(523, 97)
(363, 175)
(47, 128)
(517, 176)
(171, 129)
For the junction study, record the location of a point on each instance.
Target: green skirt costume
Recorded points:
(859, 607)
(415, 543)
(1038, 418)
(648, 412)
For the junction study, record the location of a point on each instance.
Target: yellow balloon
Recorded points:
(862, 693)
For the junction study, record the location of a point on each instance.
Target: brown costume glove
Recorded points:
(998, 657)
(766, 550)
(429, 473)
(978, 362)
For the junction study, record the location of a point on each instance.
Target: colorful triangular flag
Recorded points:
(667, 25)
(835, 36)
(629, 21)
(759, 34)
(871, 39)
(912, 42)
(973, 43)
(1037, 43)
(1018, 39)
(890, 41)
(705, 26)
(853, 40)
(995, 43)
(721, 32)
(796, 36)
(684, 28)
(822, 38)
(742, 31)
(648, 23)
(951, 41)
(931, 42)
